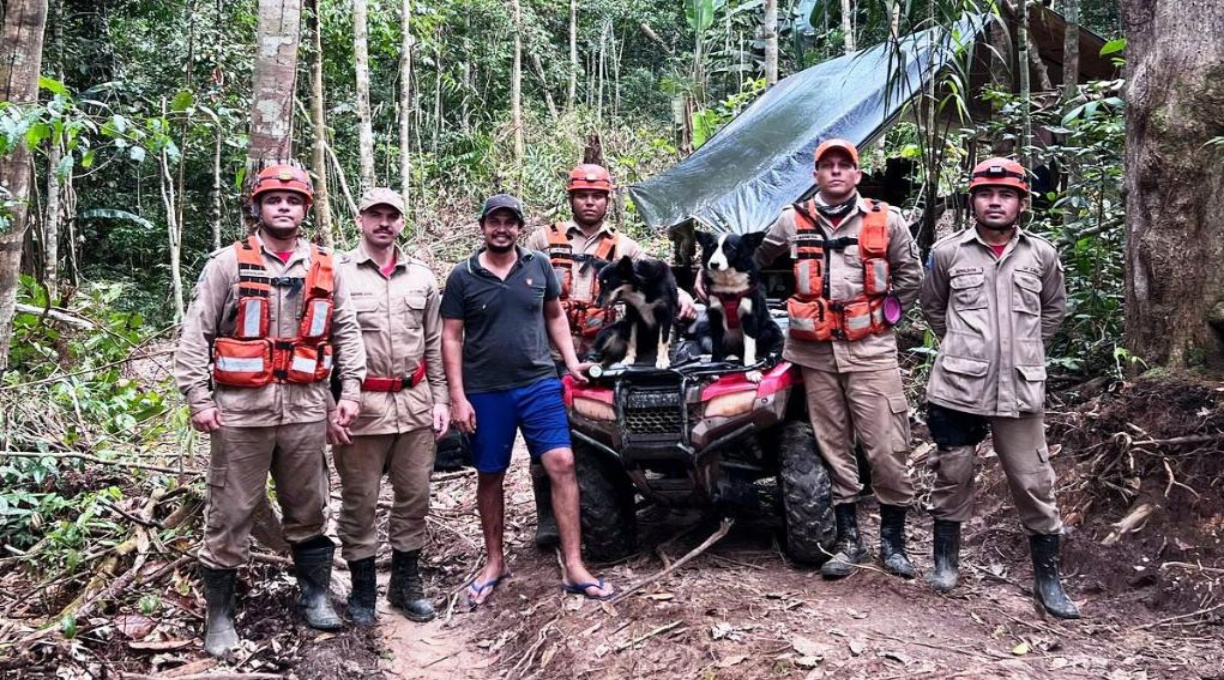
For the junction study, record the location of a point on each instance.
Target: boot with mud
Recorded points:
(312, 563)
(546, 537)
(946, 556)
(892, 541)
(406, 592)
(849, 550)
(1048, 587)
(363, 600)
(220, 636)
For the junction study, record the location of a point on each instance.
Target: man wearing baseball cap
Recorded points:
(994, 294)
(500, 309)
(404, 408)
(856, 269)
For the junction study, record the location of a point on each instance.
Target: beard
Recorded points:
(499, 249)
(283, 233)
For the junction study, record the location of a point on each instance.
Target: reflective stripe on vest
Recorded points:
(239, 364)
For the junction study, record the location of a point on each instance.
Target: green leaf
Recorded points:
(65, 166)
(37, 133)
(87, 160)
(182, 101)
(1113, 46)
(53, 85)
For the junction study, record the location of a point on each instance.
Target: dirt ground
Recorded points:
(1151, 596)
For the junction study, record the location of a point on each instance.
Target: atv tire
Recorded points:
(609, 518)
(807, 496)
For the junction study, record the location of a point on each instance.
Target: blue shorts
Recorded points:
(537, 409)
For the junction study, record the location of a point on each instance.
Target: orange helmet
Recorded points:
(589, 176)
(283, 178)
(999, 172)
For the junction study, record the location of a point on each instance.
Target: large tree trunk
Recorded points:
(20, 64)
(1071, 49)
(769, 26)
(275, 82)
(516, 82)
(405, 116)
(51, 219)
(365, 127)
(847, 18)
(318, 130)
(1174, 187)
(573, 55)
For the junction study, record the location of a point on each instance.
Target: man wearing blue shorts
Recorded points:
(500, 308)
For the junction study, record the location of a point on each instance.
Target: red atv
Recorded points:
(698, 434)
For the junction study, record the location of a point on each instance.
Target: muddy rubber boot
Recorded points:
(312, 564)
(848, 551)
(363, 600)
(892, 541)
(220, 636)
(1048, 588)
(546, 537)
(406, 592)
(946, 555)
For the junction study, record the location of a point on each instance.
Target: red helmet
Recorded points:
(589, 176)
(999, 172)
(283, 178)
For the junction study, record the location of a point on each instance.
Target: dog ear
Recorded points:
(753, 240)
(706, 240)
(625, 265)
(598, 264)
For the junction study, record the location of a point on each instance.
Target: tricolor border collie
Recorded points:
(652, 302)
(739, 319)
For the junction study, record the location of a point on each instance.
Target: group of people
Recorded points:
(287, 345)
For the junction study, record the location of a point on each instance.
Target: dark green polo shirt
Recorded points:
(505, 337)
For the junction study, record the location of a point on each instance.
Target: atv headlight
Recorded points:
(592, 409)
(733, 404)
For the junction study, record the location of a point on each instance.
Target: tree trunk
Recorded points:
(318, 130)
(365, 128)
(573, 55)
(20, 65)
(1026, 94)
(406, 105)
(1175, 239)
(51, 224)
(769, 26)
(174, 232)
(516, 82)
(1071, 58)
(275, 79)
(215, 214)
(848, 24)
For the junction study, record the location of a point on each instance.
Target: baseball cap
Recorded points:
(381, 196)
(837, 145)
(500, 201)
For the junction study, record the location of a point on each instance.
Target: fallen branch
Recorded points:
(1181, 441)
(622, 646)
(446, 476)
(206, 676)
(57, 315)
(1178, 618)
(714, 538)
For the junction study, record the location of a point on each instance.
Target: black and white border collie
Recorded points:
(739, 319)
(652, 302)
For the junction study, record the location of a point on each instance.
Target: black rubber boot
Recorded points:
(946, 555)
(848, 551)
(892, 541)
(363, 601)
(220, 636)
(546, 537)
(312, 563)
(406, 592)
(1048, 589)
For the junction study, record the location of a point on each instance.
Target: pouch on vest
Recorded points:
(857, 320)
(809, 276)
(875, 277)
(325, 361)
(252, 320)
(316, 319)
(242, 363)
(305, 363)
(810, 319)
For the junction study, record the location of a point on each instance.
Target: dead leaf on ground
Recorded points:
(1021, 649)
(732, 661)
(158, 645)
(660, 597)
(808, 647)
(134, 626)
(856, 647)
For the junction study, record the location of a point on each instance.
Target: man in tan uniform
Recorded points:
(268, 315)
(856, 268)
(571, 246)
(994, 295)
(404, 408)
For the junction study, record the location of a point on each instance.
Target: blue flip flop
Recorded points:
(481, 587)
(581, 589)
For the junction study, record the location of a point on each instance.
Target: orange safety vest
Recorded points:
(585, 318)
(813, 315)
(249, 357)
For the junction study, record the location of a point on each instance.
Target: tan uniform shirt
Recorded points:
(993, 315)
(845, 273)
(212, 314)
(584, 277)
(401, 327)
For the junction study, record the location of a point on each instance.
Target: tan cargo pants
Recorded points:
(871, 406)
(1021, 446)
(408, 458)
(237, 481)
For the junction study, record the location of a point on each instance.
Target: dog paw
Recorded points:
(663, 362)
(629, 360)
(754, 376)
